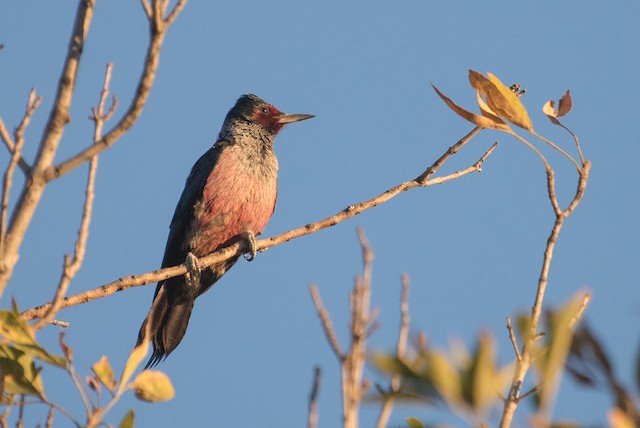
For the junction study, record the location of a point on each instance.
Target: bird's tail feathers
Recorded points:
(167, 321)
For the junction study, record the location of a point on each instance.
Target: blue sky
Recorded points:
(472, 247)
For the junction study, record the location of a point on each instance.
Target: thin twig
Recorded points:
(387, 406)
(530, 392)
(263, 244)
(16, 155)
(578, 315)
(313, 398)
(8, 141)
(512, 337)
(327, 326)
(353, 385)
(565, 154)
(44, 170)
(58, 119)
(523, 364)
(73, 263)
(175, 12)
(49, 423)
(139, 101)
(147, 8)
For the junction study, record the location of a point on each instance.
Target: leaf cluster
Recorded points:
(22, 359)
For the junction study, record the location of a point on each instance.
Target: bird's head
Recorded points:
(253, 109)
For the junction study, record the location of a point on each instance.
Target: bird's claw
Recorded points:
(250, 237)
(193, 270)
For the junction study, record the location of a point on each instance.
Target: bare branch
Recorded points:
(523, 364)
(16, 156)
(313, 399)
(44, 170)
(327, 326)
(147, 8)
(6, 138)
(422, 178)
(175, 12)
(132, 114)
(353, 385)
(159, 27)
(578, 315)
(58, 118)
(8, 141)
(73, 264)
(512, 337)
(551, 190)
(263, 244)
(401, 347)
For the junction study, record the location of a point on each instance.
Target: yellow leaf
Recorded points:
(153, 386)
(486, 110)
(482, 121)
(485, 380)
(513, 107)
(103, 371)
(444, 378)
(128, 420)
(500, 99)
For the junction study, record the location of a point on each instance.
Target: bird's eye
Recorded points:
(264, 110)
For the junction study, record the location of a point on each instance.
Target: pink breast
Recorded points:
(235, 199)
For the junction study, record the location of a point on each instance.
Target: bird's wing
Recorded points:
(176, 248)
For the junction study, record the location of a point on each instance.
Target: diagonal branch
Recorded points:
(44, 170)
(401, 347)
(159, 28)
(523, 363)
(8, 141)
(73, 264)
(263, 244)
(16, 158)
(52, 134)
(313, 399)
(327, 325)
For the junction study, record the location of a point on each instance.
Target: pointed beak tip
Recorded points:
(291, 118)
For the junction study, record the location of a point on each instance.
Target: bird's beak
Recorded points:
(290, 118)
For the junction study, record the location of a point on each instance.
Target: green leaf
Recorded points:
(136, 356)
(153, 386)
(444, 377)
(128, 420)
(391, 365)
(20, 374)
(414, 423)
(551, 360)
(104, 373)
(20, 334)
(483, 374)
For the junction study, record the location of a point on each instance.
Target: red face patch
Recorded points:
(267, 116)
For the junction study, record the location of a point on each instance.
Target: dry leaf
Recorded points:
(482, 121)
(564, 106)
(104, 373)
(500, 99)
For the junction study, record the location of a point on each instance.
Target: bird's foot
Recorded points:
(250, 237)
(193, 271)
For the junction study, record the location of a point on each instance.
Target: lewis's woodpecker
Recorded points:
(229, 195)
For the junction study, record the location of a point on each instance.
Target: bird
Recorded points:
(229, 195)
